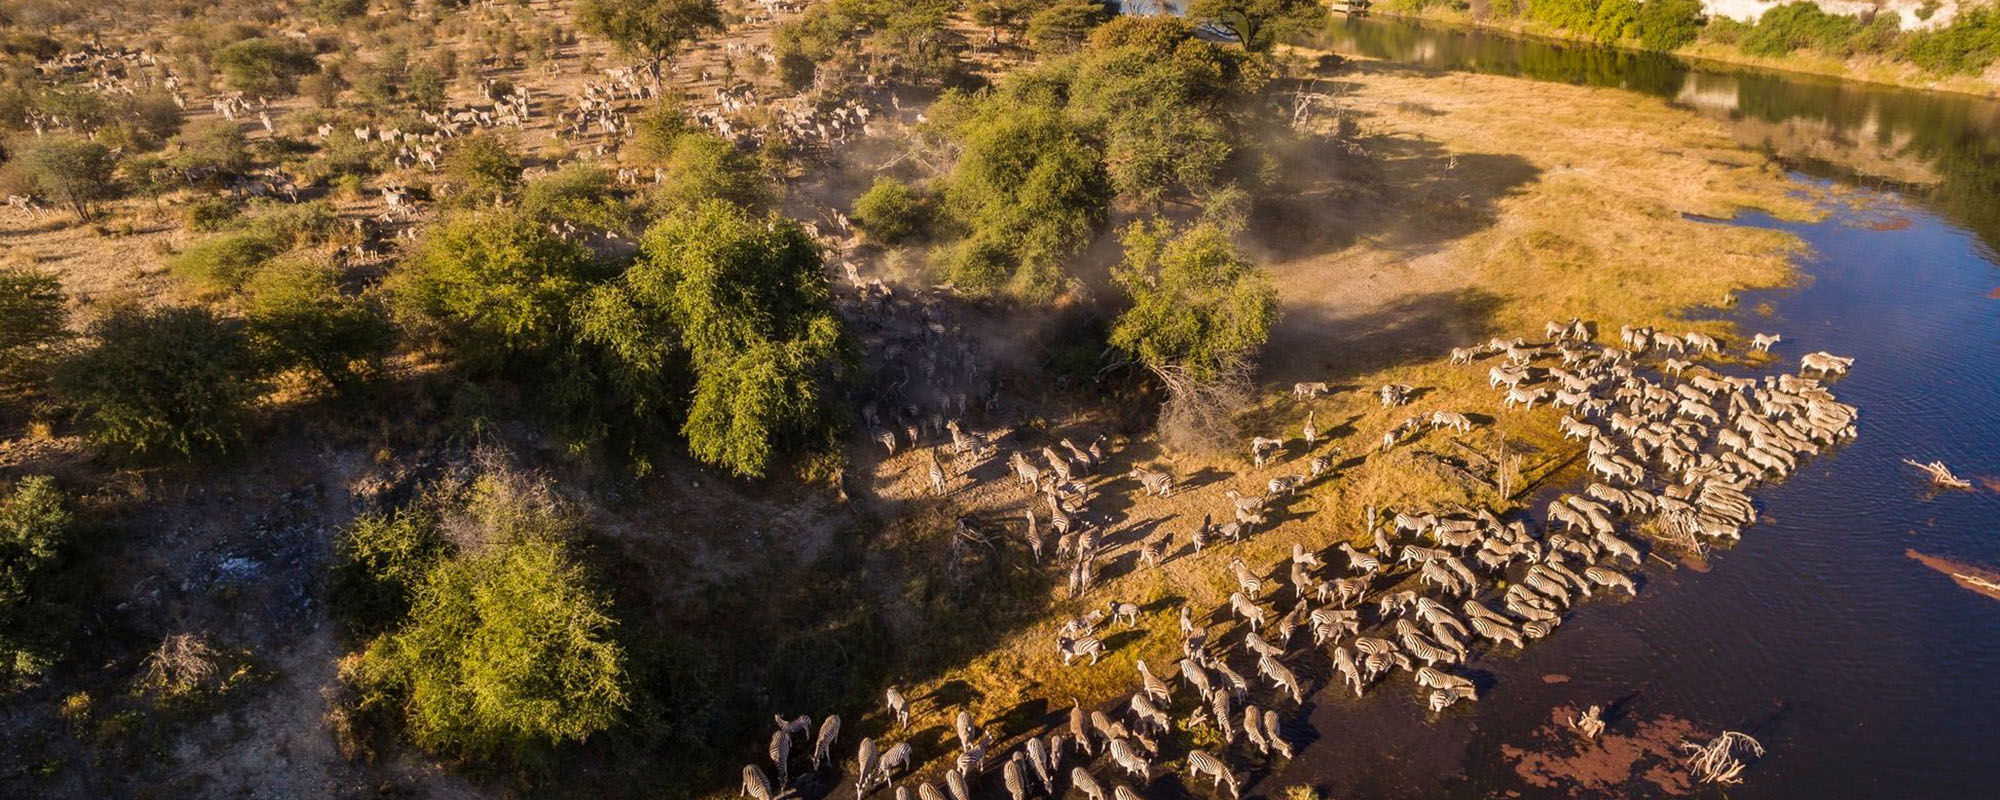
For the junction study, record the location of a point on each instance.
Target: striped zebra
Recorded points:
(1617, 547)
(1557, 568)
(1272, 734)
(1123, 792)
(865, 765)
(829, 732)
(1106, 727)
(1129, 759)
(1257, 645)
(896, 759)
(781, 752)
(888, 440)
(1238, 685)
(1441, 699)
(1038, 757)
(1201, 764)
(1080, 779)
(1246, 580)
(1218, 701)
(1311, 430)
(1247, 610)
(1282, 676)
(1195, 676)
(898, 706)
(1015, 778)
(1432, 678)
(961, 724)
(1026, 472)
(1153, 685)
(1058, 465)
(1359, 561)
(1079, 729)
(1253, 728)
(1611, 578)
(1538, 628)
(755, 785)
(1343, 663)
(1079, 647)
(1148, 714)
(1155, 483)
(926, 791)
(1153, 551)
(954, 780)
(937, 475)
(1498, 632)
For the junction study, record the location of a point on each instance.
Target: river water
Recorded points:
(1866, 673)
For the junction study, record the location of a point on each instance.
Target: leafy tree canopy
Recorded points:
(73, 171)
(649, 27)
(499, 280)
(264, 66)
(1198, 308)
(33, 323)
(302, 321)
(178, 379)
(1258, 24)
(38, 593)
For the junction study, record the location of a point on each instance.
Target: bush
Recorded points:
(73, 171)
(214, 145)
(890, 212)
(1030, 190)
(1668, 24)
(33, 324)
(210, 213)
(581, 194)
(292, 225)
(264, 66)
(498, 282)
(650, 27)
(301, 321)
(380, 562)
(485, 166)
(505, 652)
(222, 263)
(1967, 46)
(704, 167)
(178, 379)
(1800, 25)
(39, 589)
(655, 131)
(1061, 27)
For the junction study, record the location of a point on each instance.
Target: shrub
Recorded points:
(33, 324)
(222, 263)
(581, 194)
(73, 171)
(301, 321)
(498, 282)
(1062, 26)
(294, 224)
(264, 66)
(1668, 24)
(178, 379)
(890, 212)
(485, 166)
(1968, 45)
(704, 167)
(213, 144)
(380, 562)
(1800, 25)
(655, 131)
(505, 652)
(210, 213)
(39, 588)
(1030, 190)
(650, 27)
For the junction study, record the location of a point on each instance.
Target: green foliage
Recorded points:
(264, 66)
(505, 652)
(655, 130)
(1198, 308)
(907, 40)
(1967, 46)
(702, 167)
(485, 167)
(292, 225)
(72, 171)
(334, 12)
(380, 561)
(1061, 27)
(1604, 21)
(499, 283)
(300, 320)
(209, 214)
(177, 379)
(33, 324)
(1800, 25)
(753, 311)
(1028, 191)
(997, 15)
(212, 144)
(39, 591)
(1258, 24)
(891, 212)
(1668, 24)
(649, 27)
(222, 263)
(582, 194)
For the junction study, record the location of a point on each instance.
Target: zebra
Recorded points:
(898, 706)
(829, 733)
(1282, 676)
(1247, 581)
(962, 725)
(781, 751)
(1253, 728)
(897, 758)
(1497, 631)
(1394, 394)
(1261, 448)
(1538, 628)
(1825, 363)
(1125, 612)
(1701, 342)
(1128, 759)
(1079, 729)
(1016, 780)
(888, 440)
(954, 780)
(1026, 472)
(1123, 792)
(926, 791)
(1080, 455)
(1153, 551)
(1146, 713)
(1059, 465)
(1155, 483)
(865, 765)
(1464, 355)
(1762, 342)
(937, 475)
(1359, 561)
(1451, 419)
(1257, 645)
(1193, 675)
(1611, 578)
(755, 785)
(1080, 647)
(1343, 663)
(1247, 610)
(1617, 547)
(1309, 390)
(1080, 779)
(1319, 464)
(1038, 757)
(1104, 726)
(1218, 701)
(1441, 699)
(1273, 736)
(1284, 485)
(1311, 430)
(1200, 764)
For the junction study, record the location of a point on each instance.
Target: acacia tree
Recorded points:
(74, 171)
(1199, 311)
(651, 27)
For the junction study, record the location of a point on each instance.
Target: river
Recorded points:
(1864, 672)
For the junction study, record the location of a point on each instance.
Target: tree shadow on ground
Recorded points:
(1328, 346)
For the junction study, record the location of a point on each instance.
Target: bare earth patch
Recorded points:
(1632, 759)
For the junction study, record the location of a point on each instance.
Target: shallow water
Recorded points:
(1865, 673)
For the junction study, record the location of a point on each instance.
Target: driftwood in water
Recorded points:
(1717, 762)
(1941, 475)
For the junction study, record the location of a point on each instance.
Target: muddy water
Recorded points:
(1866, 673)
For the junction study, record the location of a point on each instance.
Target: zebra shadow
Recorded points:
(1164, 603)
(1137, 531)
(953, 693)
(1023, 715)
(1114, 641)
(1202, 477)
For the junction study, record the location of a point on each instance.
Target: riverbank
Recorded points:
(1714, 54)
(1448, 214)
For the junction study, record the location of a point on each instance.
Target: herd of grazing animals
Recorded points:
(1671, 452)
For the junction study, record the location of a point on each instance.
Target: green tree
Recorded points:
(178, 379)
(1257, 24)
(1669, 24)
(1029, 190)
(223, 262)
(998, 15)
(71, 170)
(485, 166)
(703, 167)
(39, 591)
(301, 320)
(506, 651)
(649, 27)
(655, 130)
(33, 324)
(1062, 26)
(380, 562)
(1968, 45)
(1199, 311)
(264, 66)
(581, 194)
(499, 283)
(752, 309)
(891, 212)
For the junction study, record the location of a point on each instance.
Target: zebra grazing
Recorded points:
(1156, 483)
(1253, 728)
(1451, 419)
(1261, 448)
(1125, 612)
(1080, 779)
(1152, 684)
(1247, 610)
(865, 765)
(1497, 631)
(898, 706)
(1015, 778)
(829, 733)
(781, 752)
(1129, 760)
(1148, 714)
(1762, 342)
(1282, 676)
(1201, 764)
(1309, 390)
(1271, 734)
(897, 759)
(1617, 547)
